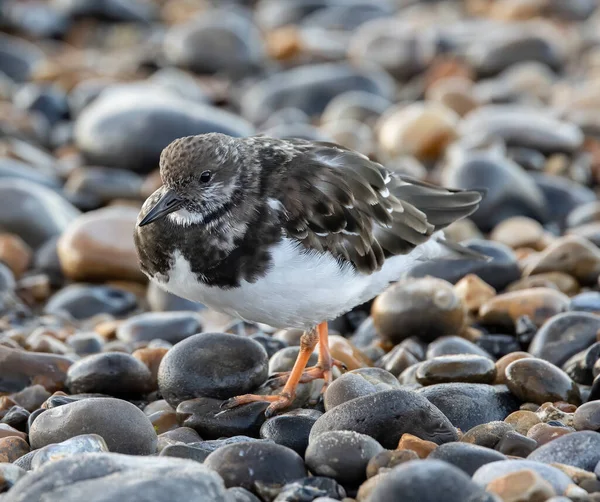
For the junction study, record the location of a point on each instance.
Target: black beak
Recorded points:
(168, 203)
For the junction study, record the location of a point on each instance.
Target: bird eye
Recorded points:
(205, 176)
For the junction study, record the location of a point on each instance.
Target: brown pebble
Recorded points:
(575, 473)
(164, 421)
(539, 304)
(15, 253)
(455, 93)
(420, 446)
(12, 448)
(36, 288)
(473, 292)
(522, 421)
(504, 361)
(387, 459)
(428, 307)
(365, 490)
(544, 433)
(571, 254)
(521, 486)
(560, 281)
(519, 232)
(151, 357)
(343, 350)
(8, 431)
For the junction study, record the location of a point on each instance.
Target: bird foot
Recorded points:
(278, 402)
(308, 375)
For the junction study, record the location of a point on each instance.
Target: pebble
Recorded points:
(560, 281)
(99, 246)
(12, 168)
(427, 308)
(273, 464)
(291, 429)
(421, 130)
(15, 253)
(310, 88)
(151, 357)
(468, 368)
(361, 106)
(324, 489)
(113, 373)
(388, 459)
(9, 475)
(12, 448)
(386, 416)
(499, 272)
(514, 444)
(16, 417)
(427, 481)
(204, 415)
(587, 417)
(588, 301)
(357, 383)
(421, 447)
(580, 367)
(172, 327)
(510, 190)
(564, 335)
(341, 455)
(86, 443)
(107, 131)
(86, 343)
(520, 232)
(85, 301)
(469, 404)
(18, 57)
(33, 212)
(465, 456)
(521, 485)
(538, 381)
(238, 494)
(131, 434)
(20, 369)
(544, 433)
(454, 345)
(522, 420)
(103, 477)
(503, 363)
(579, 449)
(571, 254)
(490, 472)
(473, 292)
(193, 367)
(160, 300)
(397, 360)
(539, 304)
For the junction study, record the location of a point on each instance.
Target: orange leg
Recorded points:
(322, 369)
(286, 397)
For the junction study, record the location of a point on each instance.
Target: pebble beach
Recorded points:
(467, 380)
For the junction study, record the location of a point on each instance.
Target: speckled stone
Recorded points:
(579, 449)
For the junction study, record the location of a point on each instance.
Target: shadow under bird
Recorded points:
(289, 233)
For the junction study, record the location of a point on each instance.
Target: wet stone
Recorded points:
(397, 360)
(132, 434)
(279, 465)
(291, 429)
(579, 449)
(538, 381)
(420, 446)
(82, 301)
(427, 481)
(498, 345)
(341, 455)
(539, 304)
(204, 415)
(183, 435)
(521, 485)
(12, 448)
(465, 456)
(467, 404)
(16, 417)
(503, 363)
(456, 368)
(193, 367)
(108, 133)
(356, 383)
(33, 212)
(170, 326)
(386, 416)
(113, 373)
(86, 443)
(490, 472)
(522, 420)
(500, 271)
(564, 335)
(427, 308)
(310, 88)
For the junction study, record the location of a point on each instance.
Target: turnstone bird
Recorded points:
(289, 233)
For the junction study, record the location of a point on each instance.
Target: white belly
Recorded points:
(300, 290)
